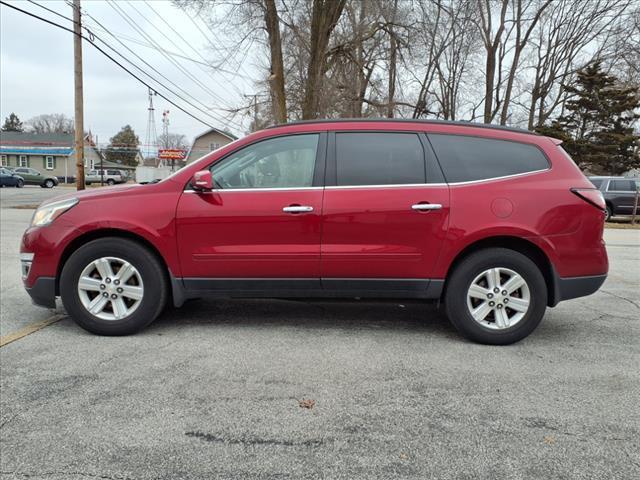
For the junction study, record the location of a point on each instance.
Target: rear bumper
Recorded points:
(43, 292)
(575, 287)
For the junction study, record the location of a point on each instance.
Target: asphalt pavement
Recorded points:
(279, 389)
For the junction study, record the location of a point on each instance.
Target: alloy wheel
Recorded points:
(110, 288)
(498, 298)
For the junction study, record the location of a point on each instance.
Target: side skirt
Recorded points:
(186, 288)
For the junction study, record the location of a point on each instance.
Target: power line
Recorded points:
(212, 115)
(179, 35)
(123, 14)
(2, 2)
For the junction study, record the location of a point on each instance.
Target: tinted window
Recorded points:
(597, 182)
(379, 159)
(466, 159)
(284, 162)
(622, 186)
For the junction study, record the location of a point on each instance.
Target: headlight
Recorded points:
(46, 214)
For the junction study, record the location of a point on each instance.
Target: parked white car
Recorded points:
(110, 177)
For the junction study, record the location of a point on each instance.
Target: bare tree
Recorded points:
(51, 123)
(324, 17)
(569, 36)
(172, 140)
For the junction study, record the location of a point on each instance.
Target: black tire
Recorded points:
(464, 274)
(49, 183)
(20, 184)
(154, 280)
(111, 182)
(608, 214)
(87, 183)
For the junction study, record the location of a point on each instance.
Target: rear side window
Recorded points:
(622, 186)
(364, 158)
(465, 159)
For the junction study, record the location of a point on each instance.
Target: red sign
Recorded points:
(172, 154)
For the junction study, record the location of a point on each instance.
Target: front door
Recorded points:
(386, 214)
(262, 220)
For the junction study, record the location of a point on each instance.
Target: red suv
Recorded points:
(497, 223)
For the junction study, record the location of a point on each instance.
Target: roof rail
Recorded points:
(408, 120)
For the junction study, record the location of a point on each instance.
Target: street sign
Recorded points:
(172, 154)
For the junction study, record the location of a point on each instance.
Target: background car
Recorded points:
(10, 179)
(110, 177)
(32, 176)
(619, 194)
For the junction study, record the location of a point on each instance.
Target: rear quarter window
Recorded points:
(465, 158)
(622, 186)
(597, 182)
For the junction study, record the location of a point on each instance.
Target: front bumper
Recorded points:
(43, 292)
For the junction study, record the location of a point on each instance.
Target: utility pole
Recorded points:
(78, 98)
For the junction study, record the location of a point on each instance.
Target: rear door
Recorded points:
(262, 221)
(385, 211)
(622, 192)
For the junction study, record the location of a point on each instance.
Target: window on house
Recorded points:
(3, 161)
(24, 161)
(50, 164)
(214, 146)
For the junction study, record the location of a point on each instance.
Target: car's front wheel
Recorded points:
(496, 296)
(20, 184)
(608, 214)
(111, 182)
(113, 286)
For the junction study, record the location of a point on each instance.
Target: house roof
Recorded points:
(230, 136)
(31, 139)
(30, 143)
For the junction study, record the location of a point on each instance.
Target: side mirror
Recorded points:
(202, 180)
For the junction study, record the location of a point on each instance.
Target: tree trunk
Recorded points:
(276, 79)
(325, 15)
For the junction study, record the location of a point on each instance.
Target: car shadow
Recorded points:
(340, 314)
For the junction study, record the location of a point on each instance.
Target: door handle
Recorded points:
(297, 209)
(426, 206)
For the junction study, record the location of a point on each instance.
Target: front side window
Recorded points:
(465, 158)
(24, 161)
(283, 162)
(380, 158)
(622, 186)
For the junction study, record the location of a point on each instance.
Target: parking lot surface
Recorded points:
(218, 389)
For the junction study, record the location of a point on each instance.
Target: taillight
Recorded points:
(592, 196)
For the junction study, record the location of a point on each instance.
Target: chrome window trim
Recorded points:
(468, 182)
(514, 175)
(391, 185)
(272, 189)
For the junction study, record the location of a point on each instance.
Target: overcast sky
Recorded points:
(36, 68)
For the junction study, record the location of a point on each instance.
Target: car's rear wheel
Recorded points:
(496, 296)
(49, 183)
(110, 182)
(608, 214)
(113, 286)
(20, 184)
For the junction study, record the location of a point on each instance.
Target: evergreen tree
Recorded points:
(12, 124)
(598, 126)
(123, 147)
